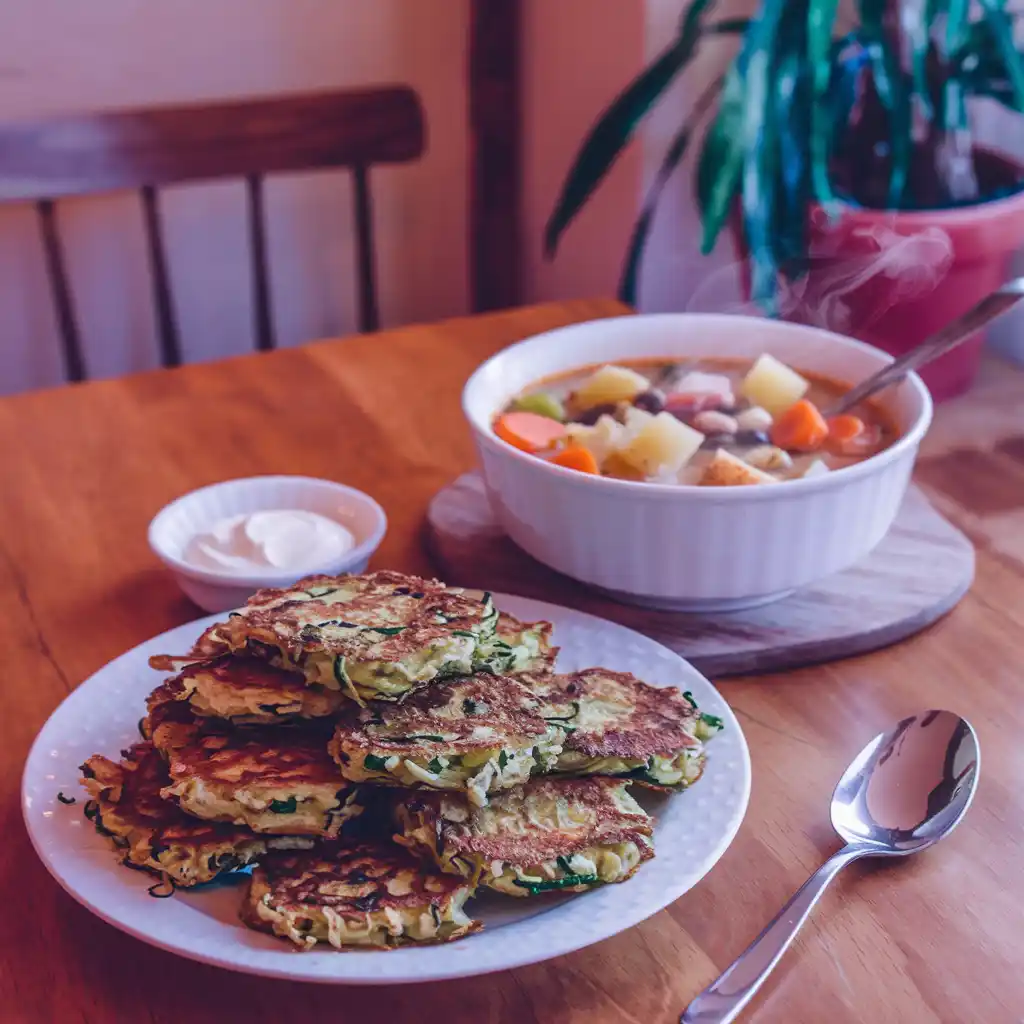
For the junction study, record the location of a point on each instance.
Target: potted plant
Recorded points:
(842, 158)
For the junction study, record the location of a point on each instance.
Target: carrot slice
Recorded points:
(575, 456)
(801, 428)
(855, 438)
(529, 431)
(617, 467)
(844, 428)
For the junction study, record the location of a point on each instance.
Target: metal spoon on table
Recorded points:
(903, 792)
(942, 341)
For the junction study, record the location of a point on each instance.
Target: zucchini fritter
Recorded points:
(517, 647)
(250, 691)
(619, 726)
(478, 734)
(564, 834)
(371, 894)
(154, 834)
(374, 637)
(276, 780)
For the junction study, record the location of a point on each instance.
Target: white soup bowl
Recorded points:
(685, 547)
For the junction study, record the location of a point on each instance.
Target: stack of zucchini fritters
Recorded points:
(381, 746)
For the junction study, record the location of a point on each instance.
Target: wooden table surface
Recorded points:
(84, 468)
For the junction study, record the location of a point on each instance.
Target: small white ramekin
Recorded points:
(682, 547)
(175, 525)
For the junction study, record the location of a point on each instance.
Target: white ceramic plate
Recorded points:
(693, 830)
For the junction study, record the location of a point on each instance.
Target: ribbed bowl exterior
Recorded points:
(686, 546)
(693, 551)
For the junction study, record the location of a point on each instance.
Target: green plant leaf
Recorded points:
(606, 141)
(617, 124)
(760, 146)
(979, 66)
(871, 13)
(918, 22)
(641, 230)
(957, 24)
(895, 97)
(791, 112)
(721, 156)
(844, 90)
(690, 19)
(1002, 31)
(821, 16)
(728, 27)
(955, 108)
(1001, 92)
(986, 78)
(979, 54)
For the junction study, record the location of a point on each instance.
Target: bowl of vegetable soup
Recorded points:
(688, 461)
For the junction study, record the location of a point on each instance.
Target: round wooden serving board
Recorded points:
(917, 574)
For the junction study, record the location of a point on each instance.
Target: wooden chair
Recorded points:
(144, 149)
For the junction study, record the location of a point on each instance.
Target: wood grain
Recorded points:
(934, 939)
(913, 578)
(78, 154)
(144, 149)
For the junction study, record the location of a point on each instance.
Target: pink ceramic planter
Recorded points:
(891, 278)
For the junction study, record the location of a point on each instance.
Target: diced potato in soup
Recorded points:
(602, 439)
(703, 422)
(727, 470)
(662, 445)
(608, 385)
(773, 385)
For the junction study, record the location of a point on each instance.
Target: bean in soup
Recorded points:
(709, 422)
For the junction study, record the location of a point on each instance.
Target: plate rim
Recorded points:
(629, 918)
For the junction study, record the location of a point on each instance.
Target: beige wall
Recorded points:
(675, 276)
(580, 54)
(577, 55)
(59, 55)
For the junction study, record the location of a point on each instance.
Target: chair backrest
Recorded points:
(42, 161)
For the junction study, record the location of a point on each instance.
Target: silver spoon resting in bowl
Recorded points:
(942, 341)
(906, 790)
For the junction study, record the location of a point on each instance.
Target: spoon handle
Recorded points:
(723, 1000)
(941, 342)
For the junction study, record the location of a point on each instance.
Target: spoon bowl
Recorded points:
(910, 786)
(906, 790)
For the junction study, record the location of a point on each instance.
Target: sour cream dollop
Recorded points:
(272, 539)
